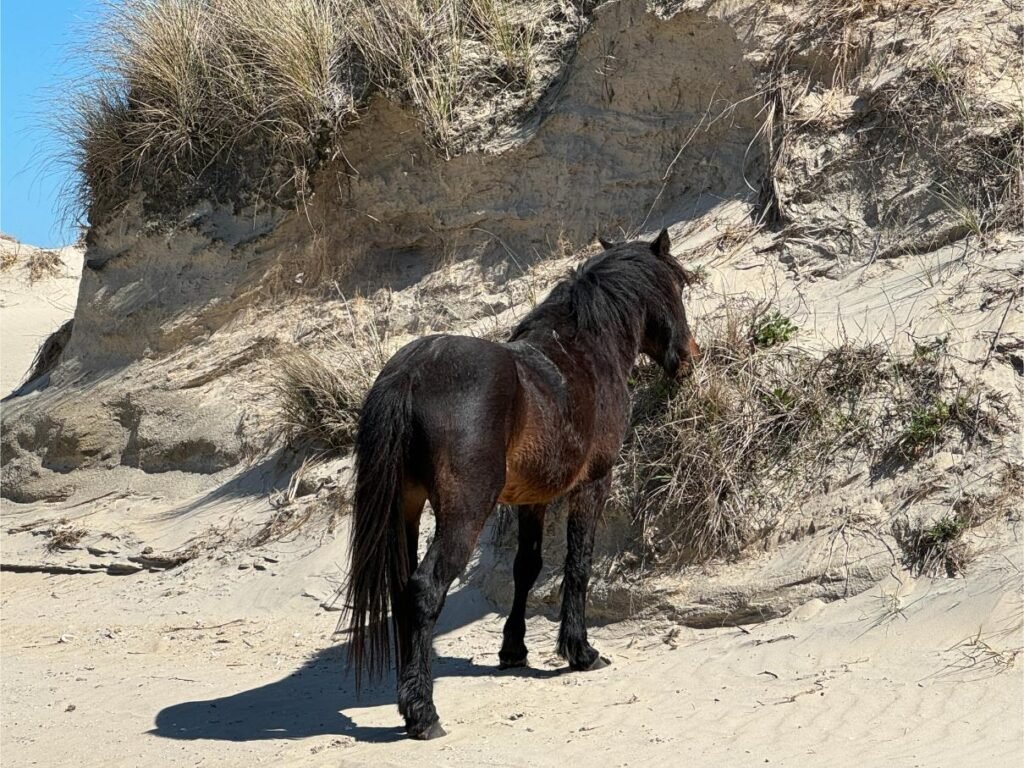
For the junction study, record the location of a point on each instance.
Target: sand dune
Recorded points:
(31, 309)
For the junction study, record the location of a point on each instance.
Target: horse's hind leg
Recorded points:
(459, 522)
(585, 503)
(413, 499)
(525, 570)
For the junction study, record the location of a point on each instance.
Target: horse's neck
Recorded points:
(569, 351)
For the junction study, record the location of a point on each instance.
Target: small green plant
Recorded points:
(773, 329)
(944, 530)
(938, 546)
(925, 427)
(783, 398)
(930, 351)
(699, 274)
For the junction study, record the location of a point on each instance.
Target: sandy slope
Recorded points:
(29, 311)
(98, 671)
(219, 662)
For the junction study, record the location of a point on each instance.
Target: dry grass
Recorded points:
(63, 536)
(718, 463)
(319, 401)
(194, 93)
(300, 508)
(49, 352)
(929, 117)
(39, 263)
(940, 545)
(935, 114)
(454, 58)
(224, 98)
(696, 471)
(936, 547)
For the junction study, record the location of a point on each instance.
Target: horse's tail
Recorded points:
(380, 562)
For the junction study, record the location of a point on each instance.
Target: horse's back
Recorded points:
(462, 394)
(444, 367)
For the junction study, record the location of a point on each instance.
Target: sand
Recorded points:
(158, 670)
(32, 310)
(231, 659)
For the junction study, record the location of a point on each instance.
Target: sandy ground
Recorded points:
(30, 311)
(214, 666)
(231, 659)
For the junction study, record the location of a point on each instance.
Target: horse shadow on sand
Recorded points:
(313, 700)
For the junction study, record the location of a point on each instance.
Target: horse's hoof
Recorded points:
(512, 663)
(432, 731)
(599, 662)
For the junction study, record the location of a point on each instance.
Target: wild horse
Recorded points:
(466, 423)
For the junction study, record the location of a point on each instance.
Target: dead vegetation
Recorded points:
(318, 404)
(49, 352)
(915, 108)
(232, 98)
(302, 507)
(61, 536)
(973, 145)
(317, 516)
(714, 465)
(60, 533)
(941, 545)
(319, 395)
(718, 463)
(38, 263)
(192, 93)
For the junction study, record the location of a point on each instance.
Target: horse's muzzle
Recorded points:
(689, 359)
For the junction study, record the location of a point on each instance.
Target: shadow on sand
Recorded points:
(312, 700)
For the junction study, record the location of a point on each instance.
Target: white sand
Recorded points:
(31, 311)
(210, 664)
(105, 672)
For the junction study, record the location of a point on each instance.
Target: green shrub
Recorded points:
(925, 427)
(772, 329)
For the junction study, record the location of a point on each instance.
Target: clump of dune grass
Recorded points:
(940, 545)
(49, 352)
(236, 99)
(319, 395)
(201, 93)
(697, 469)
(717, 463)
(318, 403)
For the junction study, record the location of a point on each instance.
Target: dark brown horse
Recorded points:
(467, 423)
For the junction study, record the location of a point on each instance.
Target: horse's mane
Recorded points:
(610, 293)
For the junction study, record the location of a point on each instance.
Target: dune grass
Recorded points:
(716, 464)
(235, 98)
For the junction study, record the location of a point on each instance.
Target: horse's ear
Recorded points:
(662, 247)
(606, 244)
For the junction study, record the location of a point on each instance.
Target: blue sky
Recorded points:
(37, 40)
